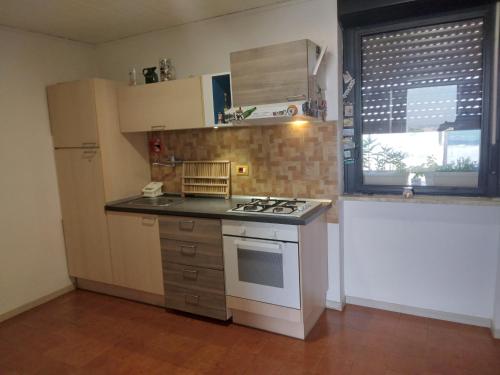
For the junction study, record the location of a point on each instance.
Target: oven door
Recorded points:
(264, 271)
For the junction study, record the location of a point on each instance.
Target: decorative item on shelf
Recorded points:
(408, 192)
(132, 77)
(167, 72)
(210, 177)
(150, 75)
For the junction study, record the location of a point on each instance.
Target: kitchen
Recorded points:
(269, 152)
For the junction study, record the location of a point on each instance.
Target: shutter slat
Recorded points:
(445, 61)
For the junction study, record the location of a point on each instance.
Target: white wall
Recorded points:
(438, 257)
(32, 257)
(204, 47)
(496, 312)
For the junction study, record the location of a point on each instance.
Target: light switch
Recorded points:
(242, 170)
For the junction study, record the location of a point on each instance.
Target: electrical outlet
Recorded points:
(242, 170)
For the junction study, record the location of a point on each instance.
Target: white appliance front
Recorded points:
(262, 270)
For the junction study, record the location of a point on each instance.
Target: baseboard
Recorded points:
(418, 311)
(335, 305)
(122, 292)
(495, 331)
(35, 303)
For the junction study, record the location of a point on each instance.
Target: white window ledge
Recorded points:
(427, 199)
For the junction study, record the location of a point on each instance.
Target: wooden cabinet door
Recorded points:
(161, 106)
(271, 74)
(79, 173)
(72, 111)
(135, 251)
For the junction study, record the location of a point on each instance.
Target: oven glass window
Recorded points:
(258, 267)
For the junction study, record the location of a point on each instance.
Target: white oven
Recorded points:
(261, 262)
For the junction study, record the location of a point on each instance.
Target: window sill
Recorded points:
(425, 199)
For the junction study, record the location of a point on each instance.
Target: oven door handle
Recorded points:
(266, 247)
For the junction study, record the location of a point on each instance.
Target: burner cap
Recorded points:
(252, 208)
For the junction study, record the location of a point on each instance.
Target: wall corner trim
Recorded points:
(335, 305)
(37, 302)
(495, 331)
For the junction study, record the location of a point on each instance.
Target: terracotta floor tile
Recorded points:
(89, 333)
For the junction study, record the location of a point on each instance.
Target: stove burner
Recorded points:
(283, 210)
(252, 207)
(276, 206)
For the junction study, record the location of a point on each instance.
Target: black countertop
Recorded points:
(216, 208)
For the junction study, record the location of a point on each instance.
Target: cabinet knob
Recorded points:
(189, 250)
(191, 299)
(186, 225)
(190, 274)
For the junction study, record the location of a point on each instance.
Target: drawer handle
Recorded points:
(88, 154)
(188, 250)
(149, 221)
(158, 127)
(191, 299)
(190, 274)
(89, 144)
(186, 225)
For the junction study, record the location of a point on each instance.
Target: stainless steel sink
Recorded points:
(161, 201)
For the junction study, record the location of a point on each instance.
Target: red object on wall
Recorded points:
(155, 145)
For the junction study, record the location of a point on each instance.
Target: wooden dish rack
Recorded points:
(212, 177)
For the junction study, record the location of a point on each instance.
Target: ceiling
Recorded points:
(98, 21)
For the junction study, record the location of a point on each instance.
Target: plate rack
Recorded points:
(211, 177)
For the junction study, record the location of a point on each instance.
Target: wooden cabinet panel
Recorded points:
(191, 229)
(195, 301)
(192, 253)
(161, 106)
(135, 251)
(198, 278)
(125, 157)
(81, 191)
(72, 112)
(271, 74)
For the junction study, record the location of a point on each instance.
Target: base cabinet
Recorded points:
(79, 174)
(135, 251)
(193, 270)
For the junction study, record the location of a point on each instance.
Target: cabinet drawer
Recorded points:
(191, 229)
(201, 279)
(193, 301)
(192, 253)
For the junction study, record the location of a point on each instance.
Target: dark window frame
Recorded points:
(488, 184)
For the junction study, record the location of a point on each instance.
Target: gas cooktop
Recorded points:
(276, 206)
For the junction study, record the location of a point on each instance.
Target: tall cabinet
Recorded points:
(95, 163)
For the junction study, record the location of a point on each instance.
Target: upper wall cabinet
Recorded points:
(72, 113)
(274, 74)
(161, 106)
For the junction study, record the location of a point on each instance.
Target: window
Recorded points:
(421, 105)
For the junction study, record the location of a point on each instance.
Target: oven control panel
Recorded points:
(268, 231)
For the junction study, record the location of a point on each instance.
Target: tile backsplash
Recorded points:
(283, 160)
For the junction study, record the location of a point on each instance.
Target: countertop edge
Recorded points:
(306, 219)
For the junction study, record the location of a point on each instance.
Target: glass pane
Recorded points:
(431, 158)
(258, 267)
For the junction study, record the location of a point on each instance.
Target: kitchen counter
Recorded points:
(215, 208)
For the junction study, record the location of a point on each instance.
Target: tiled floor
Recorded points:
(87, 333)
